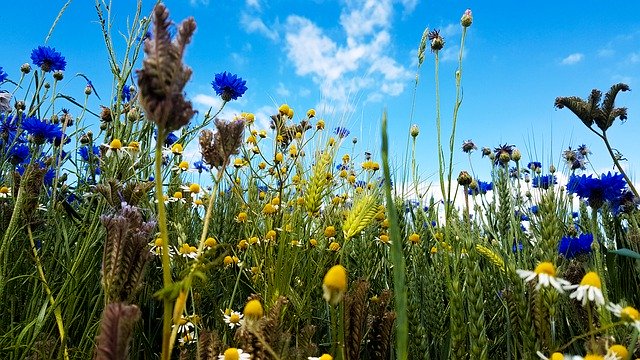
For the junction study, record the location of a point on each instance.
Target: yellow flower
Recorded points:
(177, 195)
(228, 260)
(320, 125)
(275, 201)
(194, 188)
(414, 238)
(253, 240)
(293, 151)
(262, 133)
(334, 246)
(238, 162)
(115, 144)
(334, 284)
(311, 113)
(290, 114)
(176, 149)
(242, 217)
(183, 166)
(234, 354)
(313, 242)
(619, 351)
(589, 289)
(434, 250)
(279, 157)
(243, 244)
(269, 209)
(271, 235)
(262, 165)
(545, 272)
(283, 109)
(330, 231)
(134, 146)
(253, 309)
(279, 138)
(252, 140)
(249, 118)
(210, 242)
(5, 192)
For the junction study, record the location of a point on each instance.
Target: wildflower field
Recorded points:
(286, 242)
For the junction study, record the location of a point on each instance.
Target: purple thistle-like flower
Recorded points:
(342, 132)
(571, 247)
(48, 59)
(229, 86)
(41, 131)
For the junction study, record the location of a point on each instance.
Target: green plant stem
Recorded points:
(439, 134)
(56, 309)
(397, 257)
(589, 333)
(617, 164)
(164, 235)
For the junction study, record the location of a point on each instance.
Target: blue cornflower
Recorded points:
(3, 75)
(49, 176)
(597, 190)
(522, 216)
(534, 165)
(170, 139)
(571, 247)
(341, 167)
(263, 188)
(84, 152)
(229, 86)
(126, 93)
(360, 184)
(626, 203)
(576, 160)
(534, 209)
(48, 59)
(515, 248)
(342, 132)
(200, 166)
(19, 154)
(409, 205)
(41, 131)
(482, 188)
(9, 130)
(575, 214)
(544, 182)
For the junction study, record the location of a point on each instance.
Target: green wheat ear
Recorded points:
(493, 258)
(318, 184)
(361, 215)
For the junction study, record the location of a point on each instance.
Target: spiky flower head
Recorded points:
(40, 130)
(608, 188)
(163, 76)
(468, 146)
(570, 247)
(437, 41)
(48, 59)
(229, 86)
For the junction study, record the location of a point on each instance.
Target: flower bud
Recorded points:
(552, 169)
(88, 90)
(58, 75)
(415, 130)
(20, 105)
(25, 68)
(464, 179)
(516, 155)
(467, 18)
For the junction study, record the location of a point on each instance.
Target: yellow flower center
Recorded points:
(242, 217)
(253, 240)
(134, 145)
(336, 278)
(620, 351)
(4, 190)
(279, 157)
(194, 188)
(320, 124)
(334, 246)
(557, 356)
(268, 209)
(262, 134)
(594, 357)
(434, 250)
(234, 318)
(283, 109)
(231, 354)
(228, 260)
(275, 201)
(629, 314)
(115, 144)
(591, 279)
(243, 244)
(330, 231)
(177, 195)
(311, 113)
(326, 357)
(384, 238)
(184, 166)
(177, 149)
(313, 242)
(414, 238)
(158, 242)
(253, 309)
(271, 235)
(545, 268)
(210, 242)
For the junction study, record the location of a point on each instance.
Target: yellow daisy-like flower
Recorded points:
(311, 113)
(330, 231)
(589, 289)
(618, 352)
(628, 314)
(283, 109)
(555, 356)
(334, 284)
(194, 188)
(210, 242)
(234, 354)
(269, 209)
(262, 133)
(249, 118)
(545, 272)
(177, 149)
(271, 235)
(241, 217)
(323, 357)
(115, 144)
(334, 246)
(320, 125)
(238, 163)
(182, 166)
(134, 146)
(188, 251)
(279, 157)
(313, 242)
(383, 239)
(5, 192)
(243, 244)
(414, 238)
(254, 240)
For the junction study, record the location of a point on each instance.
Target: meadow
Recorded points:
(287, 243)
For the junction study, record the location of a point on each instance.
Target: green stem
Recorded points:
(164, 235)
(617, 164)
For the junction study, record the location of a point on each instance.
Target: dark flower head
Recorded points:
(534, 209)
(575, 159)
(583, 150)
(41, 131)
(597, 191)
(486, 151)
(126, 93)
(468, 146)
(544, 182)
(229, 86)
(571, 247)
(503, 154)
(48, 59)
(627, 202)
(341, 167)
(3, 75)
(360, 184)
(437, 41)
(342, 132)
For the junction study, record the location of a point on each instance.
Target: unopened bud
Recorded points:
(516, 155)
(415, 130)
(552, 169)
(467, 18)
(58, 75)
(25, 68)
(464, 179)
(88, 90)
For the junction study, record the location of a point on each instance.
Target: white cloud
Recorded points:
(450, 30)
(282, 91)
(572, 59)
(253, 24)
(633, 58)
(207, 100)
(605, 53)
(253, 4)
(409, 5)
(343, 70)
(198, 2)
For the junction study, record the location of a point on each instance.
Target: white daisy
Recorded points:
(156, 248)
(233, 319)
(589, 289)
(5, 192)
(234, 354)
(323, 357)
(627, 314)
(187, 251)
(545, 272)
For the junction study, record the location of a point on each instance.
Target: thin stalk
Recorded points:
(164, 235)
(617, 164)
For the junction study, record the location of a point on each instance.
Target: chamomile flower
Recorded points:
(627, 314)
(589, 289)
(234, 354)
(210, 242)
(177, 149)
(5, 192)
(181, 167)
(178, 197)
(184, 326)
(545, 272)
(156, 248)
(187, 338)
(617, 352)
(554, 356)
(233, 319)
(115, 148)
(187, 251)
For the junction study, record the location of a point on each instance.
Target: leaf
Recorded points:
(626, 252)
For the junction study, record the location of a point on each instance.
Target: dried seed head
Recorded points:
(218, 148)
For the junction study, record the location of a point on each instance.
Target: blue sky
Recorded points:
(350, 59)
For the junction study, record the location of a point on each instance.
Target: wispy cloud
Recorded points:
(343, 70)
(572, 59)
(606, 52)
(633, 58)
(282, 91)
(255, 4)
(253, 24)
(198, 2)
